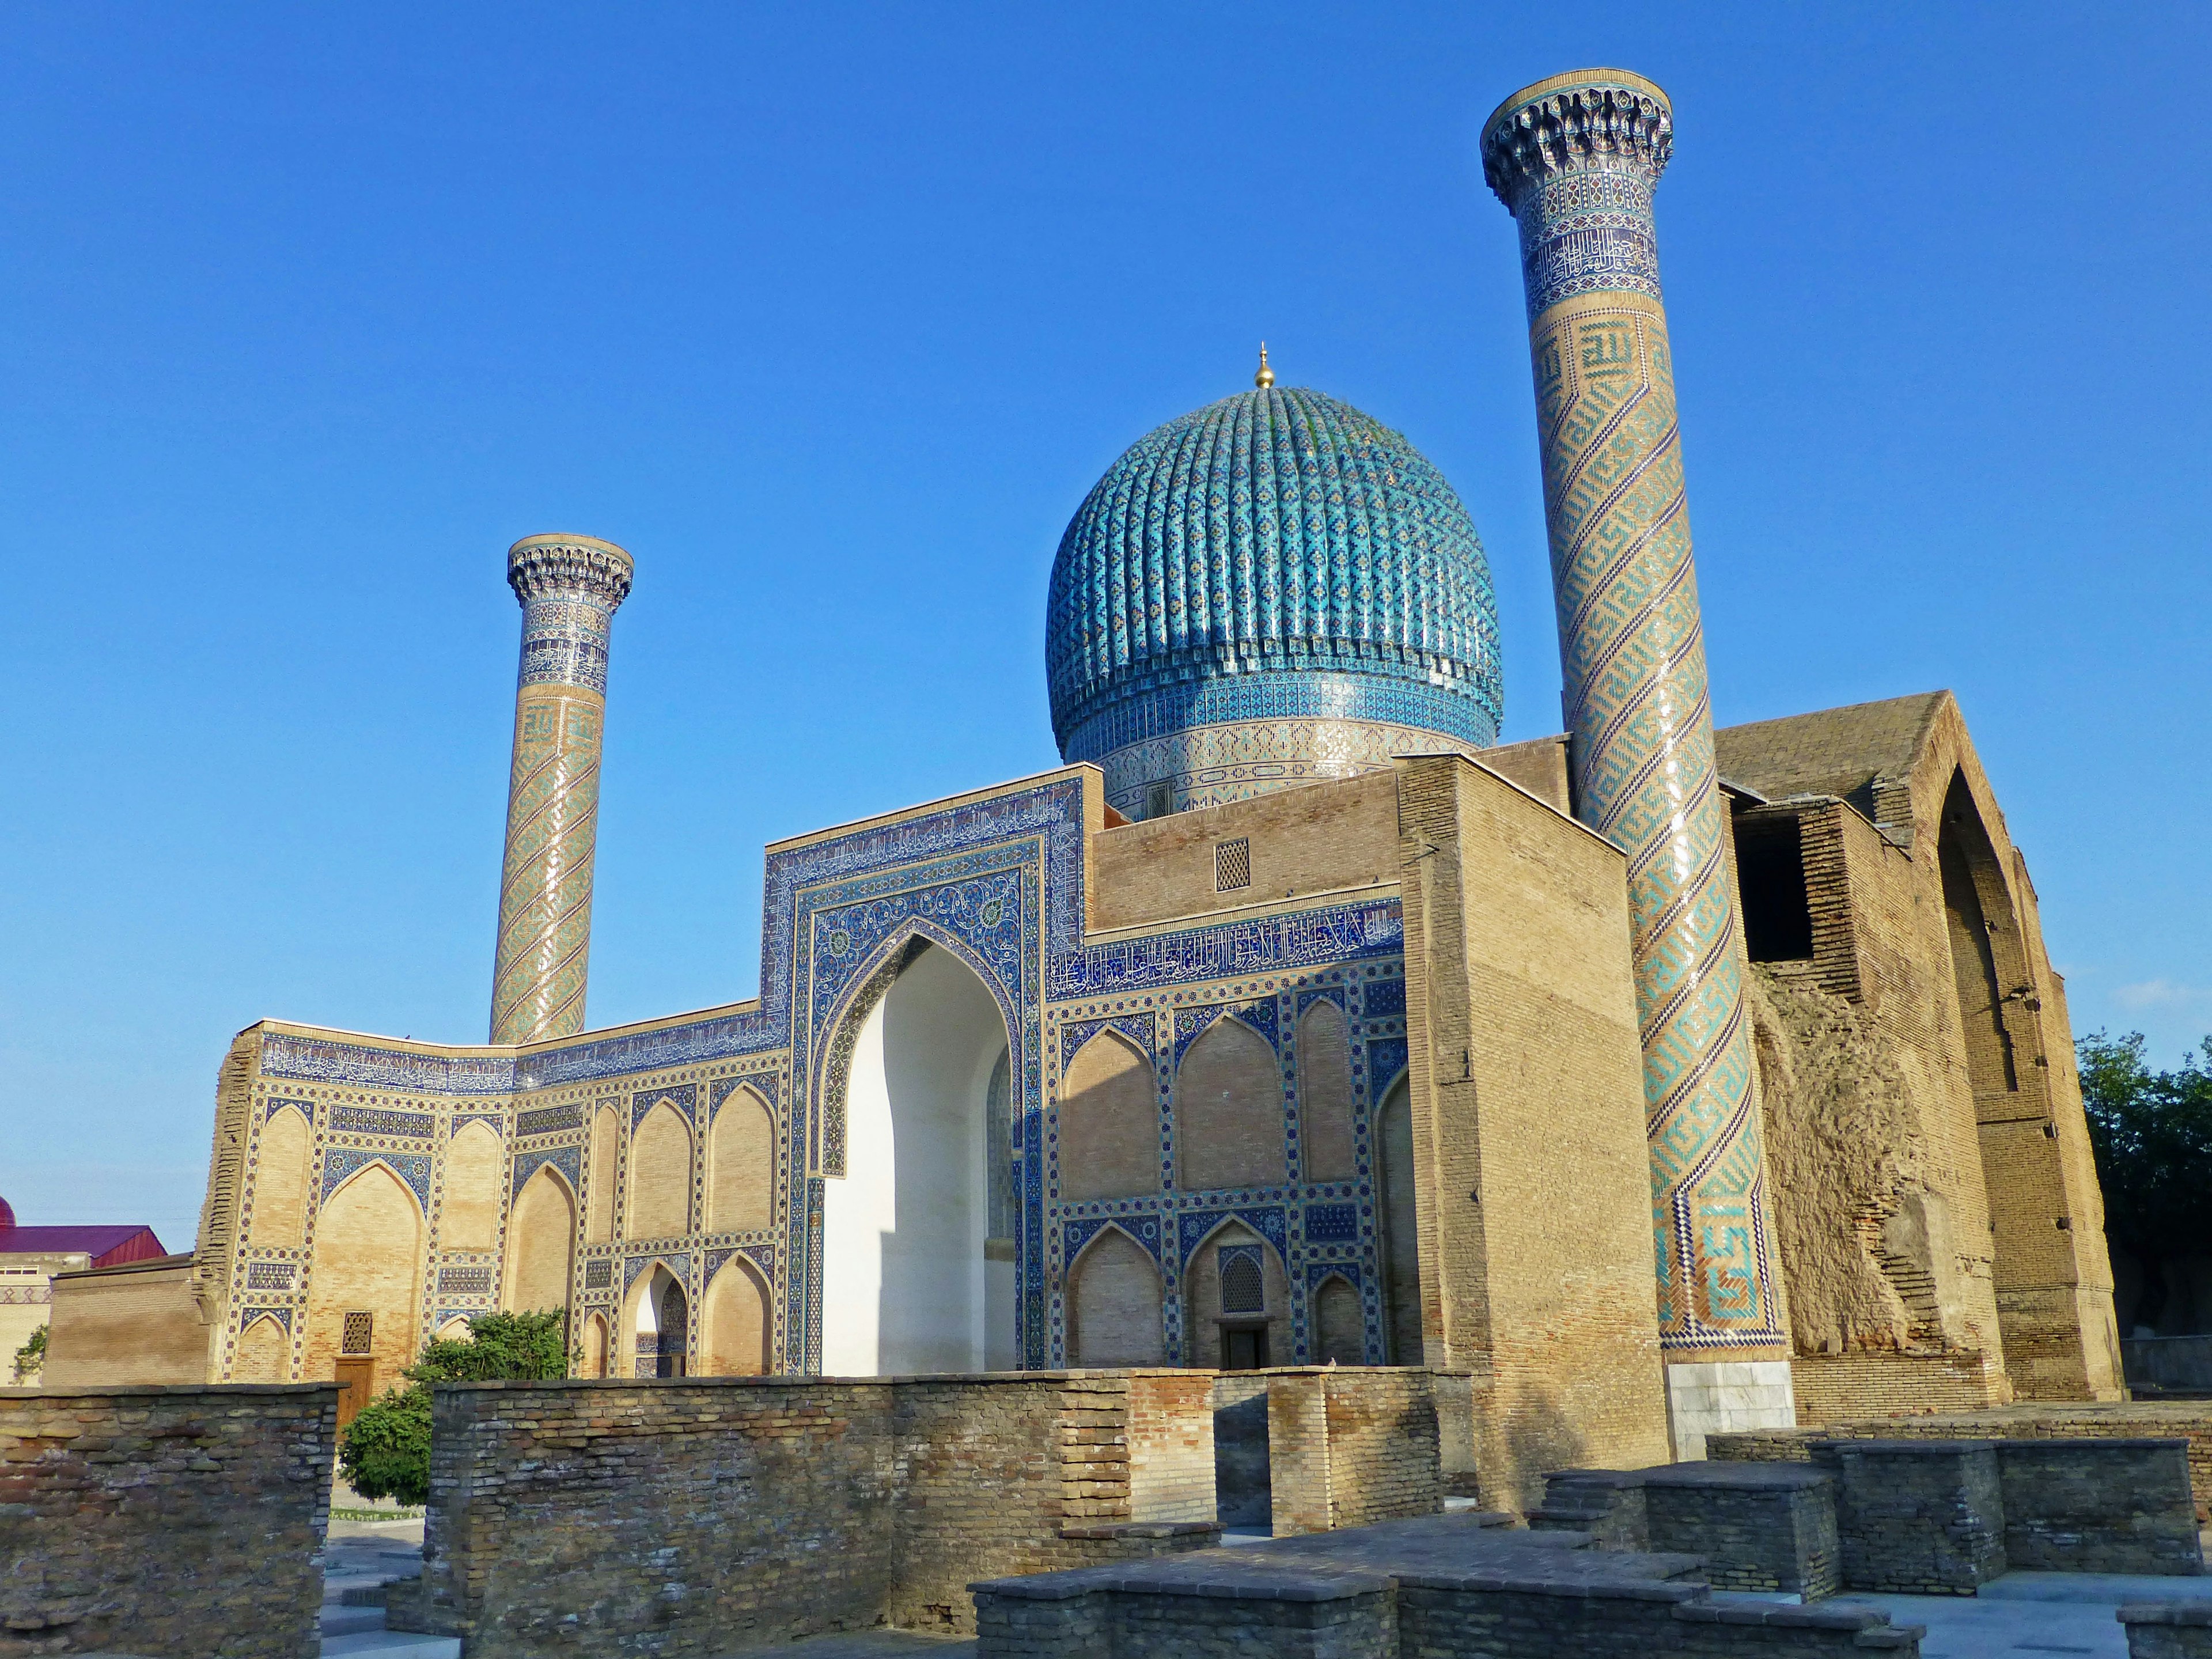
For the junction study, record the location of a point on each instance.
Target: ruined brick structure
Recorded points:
(1290, 1020)
(164, 1520)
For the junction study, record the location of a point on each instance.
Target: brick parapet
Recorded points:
(2190, 1422)
(163, 1520)
(717, 1512)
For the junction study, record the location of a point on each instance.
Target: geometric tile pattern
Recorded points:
(1576, 164)
(1275, 557)
(998, 880)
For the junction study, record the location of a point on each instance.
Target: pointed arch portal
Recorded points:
(908, 1284)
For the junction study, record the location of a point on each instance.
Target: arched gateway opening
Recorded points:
(918, 1270)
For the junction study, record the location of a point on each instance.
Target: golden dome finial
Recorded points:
(1266, 377)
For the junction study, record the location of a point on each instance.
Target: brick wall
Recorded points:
(170, 1521)
(694, 1516)
(1519, 991)
(1916, 1518)
(2107, 1505)
(2186, 1420)
(1382, 1455)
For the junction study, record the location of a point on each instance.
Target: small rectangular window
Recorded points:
(1159, 799)
(360, 1334)
(1232, 864)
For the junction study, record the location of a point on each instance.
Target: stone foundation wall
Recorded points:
(712, 1514)
(2168, 1629)
(2187, 1420)
(2097, 1506)
(168, 1521)
(1915, 1518)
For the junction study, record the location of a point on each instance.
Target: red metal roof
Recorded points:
(108, 1247)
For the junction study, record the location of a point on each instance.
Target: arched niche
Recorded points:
(1238, 1302)
(741, 1165)
(1109, 1121)
(658, 1318)
(265, 1352)
(735, 1326)
(1340, 1326)
(1229, 1110)
(367, 1261)
(660, 1174)
(1401, 1251)
(468, 1217)
(1114, 1303)
(595, 1346)
(541, 1242)
(1988, 963)
(1325, 1093)
(909, 1284)
(279, 1179)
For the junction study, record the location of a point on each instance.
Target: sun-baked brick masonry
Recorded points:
(2187, 1420)
(168, 1521)
(702, 1516)
(698, 1516)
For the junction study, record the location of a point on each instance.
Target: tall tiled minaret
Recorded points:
(570, 587)
(1575, 159)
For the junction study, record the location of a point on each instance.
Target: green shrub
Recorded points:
(30, 1358)
(384, 1451)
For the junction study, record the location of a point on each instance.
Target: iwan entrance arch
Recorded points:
(918, 1270)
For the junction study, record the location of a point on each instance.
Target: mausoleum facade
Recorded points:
(1654, 1080)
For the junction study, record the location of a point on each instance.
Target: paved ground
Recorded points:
(2021, 1615)
(2024, 1614)
(868, 1645)
(359, 1556)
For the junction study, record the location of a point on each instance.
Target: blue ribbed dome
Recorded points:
(1277, 555)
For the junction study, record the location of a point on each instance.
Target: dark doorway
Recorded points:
(1770, 872)
(1243, 1347)
(1243, 1495)
(675, 1322)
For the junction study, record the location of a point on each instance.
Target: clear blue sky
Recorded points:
(832, 315)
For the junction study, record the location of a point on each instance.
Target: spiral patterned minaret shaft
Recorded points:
(1575, 159)
(570, 587)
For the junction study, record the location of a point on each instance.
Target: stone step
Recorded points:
(391, 1644)
(342, 1620)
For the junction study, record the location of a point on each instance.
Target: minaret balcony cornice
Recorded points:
(1595, 120)
(549, 567)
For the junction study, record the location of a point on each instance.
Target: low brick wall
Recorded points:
(1308, 1449)
(2097, 1506)
(2168, 1629)
(1916, 1519)
(170, 1521)
(1755, 1526)
(710, 1515)
(2190, 1420)
(1444, 1617)
(1245, 1607)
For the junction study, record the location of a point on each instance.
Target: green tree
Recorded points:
(2152, 1133)
(385, 1451)
(30, 1358)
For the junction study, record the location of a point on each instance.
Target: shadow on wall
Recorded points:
(1518, 1442)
